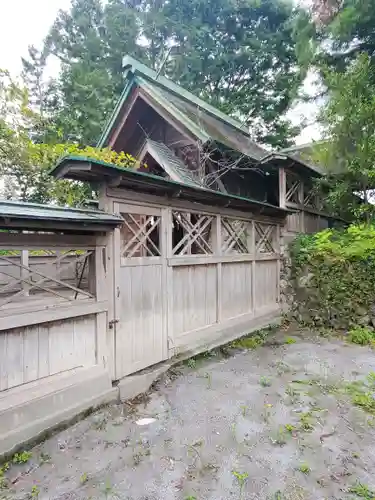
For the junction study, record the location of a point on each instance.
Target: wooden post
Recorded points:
(101, 318)
(253, 267)
(301, 202)
(106, 204)
(216, 241)
(167, 253)
(25, 272)
(282, 187)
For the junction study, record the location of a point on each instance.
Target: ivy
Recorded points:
(332, 277)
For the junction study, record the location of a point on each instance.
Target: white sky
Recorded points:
(26, 22)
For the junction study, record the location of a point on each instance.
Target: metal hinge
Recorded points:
(112, 322)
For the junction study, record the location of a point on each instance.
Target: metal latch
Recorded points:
(112, 322)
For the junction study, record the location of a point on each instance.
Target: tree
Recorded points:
(25, 164)
(349, 151)
(237, 54)
(333, 32)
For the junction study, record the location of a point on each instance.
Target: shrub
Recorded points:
(333, 277)
(361, 335)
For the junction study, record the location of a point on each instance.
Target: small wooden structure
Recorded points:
(190, 260)
(53, 316)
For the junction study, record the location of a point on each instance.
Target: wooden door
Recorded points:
(140, 298)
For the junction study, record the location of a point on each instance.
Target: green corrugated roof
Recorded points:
(35, 211)
(171, 164)
(164, 187)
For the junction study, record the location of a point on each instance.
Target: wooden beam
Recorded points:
(127, 110)
(50, 313)
(282, 187)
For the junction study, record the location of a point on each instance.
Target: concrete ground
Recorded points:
(276, 423)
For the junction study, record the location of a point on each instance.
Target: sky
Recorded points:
(23, 23)
(26, 22)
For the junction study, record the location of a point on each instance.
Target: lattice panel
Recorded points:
(265, 238)
(140, 236)
(235, 236)
(62, 274)
(311, 198)
(192, 233)
(293, 188)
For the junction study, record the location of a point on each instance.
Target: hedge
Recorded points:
(332, 277)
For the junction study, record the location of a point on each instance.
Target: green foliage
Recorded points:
(22, 458)
(223, 50)
(35, 491)
(304, 468)
(362, 491)
(241, 479)
(362, 393)
(25, 163)
(361, 335)
(349, 153)
(290, 340)
(333, 277)
(265, 382)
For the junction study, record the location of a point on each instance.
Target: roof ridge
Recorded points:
(129, 63)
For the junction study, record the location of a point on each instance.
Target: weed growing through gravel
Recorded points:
(22, 458)
(362, 491)
(244, 409)
(362, 393)
(290, 340)
(35, 491)
(84, 478)
(265, 382)
(241, 479)
(304, 468)
(267, 412)
(289, 428)
(279, 438)
(44, 458)
(361, 335)
(306, 422)
(254, 340)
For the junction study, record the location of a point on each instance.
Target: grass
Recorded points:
(22, 458)
(362, 392)
(265, 382)
(304, 468)
(35, 491)
(290, 340)
(306, 421)
(362, 491)
(241, 479)
(289, 428)
(84, 478)
(248, 342)
(280, 437)
(361, 335)
(255, 339)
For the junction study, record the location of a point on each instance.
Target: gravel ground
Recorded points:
(271, 423)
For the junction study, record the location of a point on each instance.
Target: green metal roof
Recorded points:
(17, 213)
(203, 120)
(88, 169)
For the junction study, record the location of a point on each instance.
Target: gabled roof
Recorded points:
(203, 120)
(18, 214)
(303, 154)
(281, 159)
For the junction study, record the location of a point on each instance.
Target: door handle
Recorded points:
(112, 322)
